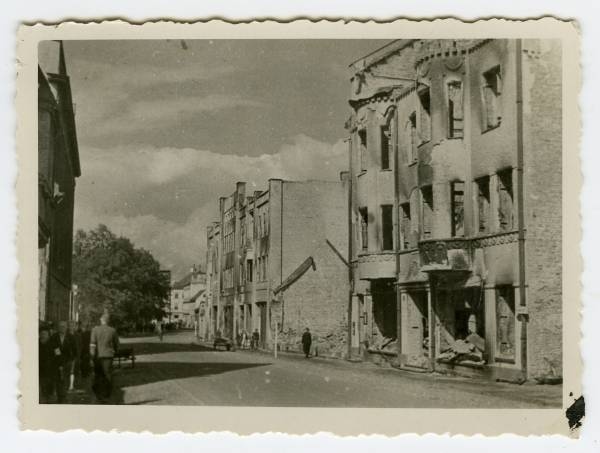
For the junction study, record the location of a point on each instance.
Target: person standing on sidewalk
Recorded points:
(306, 342)
(255, 339)
(159, 330)
(104, 343)
(65, 352)
(48, 367)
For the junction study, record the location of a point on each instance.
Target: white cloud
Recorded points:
(185, 183)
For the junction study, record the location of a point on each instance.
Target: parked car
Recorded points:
(222, 343)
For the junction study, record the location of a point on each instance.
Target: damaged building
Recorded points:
(275, 264)
(456, 211)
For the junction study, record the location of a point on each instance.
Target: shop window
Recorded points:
(405, 225)
(387, 227)
(411, 138)
(385, 147)
(455, 109)
(427, 211)
(364, 227)
(458, 209)
(492, 89)
(362, 143)
(483, 204)
(505, 200)
(505, 323)
(424, 115)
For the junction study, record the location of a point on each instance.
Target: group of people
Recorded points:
(68, 355)
(246, 341)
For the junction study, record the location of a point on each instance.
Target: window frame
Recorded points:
(495, 72)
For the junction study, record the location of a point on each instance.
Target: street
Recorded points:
(179, 372)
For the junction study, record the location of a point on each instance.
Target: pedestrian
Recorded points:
(159, 330)
(74, 372)
(84, 362)
(255, 339)
(48, 366)
(306, 342)
(244, 339)
(64, 352)
(104, 343)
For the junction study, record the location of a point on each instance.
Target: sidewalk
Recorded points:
(545, 395)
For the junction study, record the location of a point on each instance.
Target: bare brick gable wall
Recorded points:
(543, 207)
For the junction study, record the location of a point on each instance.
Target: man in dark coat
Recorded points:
(48, 368)
(306, 342)
(65, 351)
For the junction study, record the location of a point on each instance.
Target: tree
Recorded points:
(112, 275)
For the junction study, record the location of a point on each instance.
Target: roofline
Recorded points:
(381, 52)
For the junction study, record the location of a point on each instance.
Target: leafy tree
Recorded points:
(112, 275)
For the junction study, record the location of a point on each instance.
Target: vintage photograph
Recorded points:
(290, 222)
(221, 221)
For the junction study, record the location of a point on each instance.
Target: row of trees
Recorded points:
(112, 274)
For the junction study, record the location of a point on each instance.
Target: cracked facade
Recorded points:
(257, 272)
(456, 212)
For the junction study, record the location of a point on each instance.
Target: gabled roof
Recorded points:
(194, 297)
(185, 281)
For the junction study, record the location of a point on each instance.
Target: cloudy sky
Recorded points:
(166, 127)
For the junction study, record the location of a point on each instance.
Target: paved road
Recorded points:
(177, 372)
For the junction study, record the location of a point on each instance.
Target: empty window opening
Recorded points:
(249, 270)
(424, 115)
(427, 210)
(505, 200)
(387, 227)
(385, 147)
(362, 142)
(458, 209)
(462, 325)
(483, 204)
(455, 109)
(492, 89)
(411, 131)
(405, 225)
(364, 227)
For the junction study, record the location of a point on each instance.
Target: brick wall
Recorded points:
(314, 211)
(543, 201)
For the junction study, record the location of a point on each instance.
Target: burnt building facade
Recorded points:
(273, 265)
(58, 167)
(456, 211)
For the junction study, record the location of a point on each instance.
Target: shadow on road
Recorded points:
(151, 372)
(144, 348)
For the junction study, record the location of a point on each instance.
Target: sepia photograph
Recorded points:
(301, 223)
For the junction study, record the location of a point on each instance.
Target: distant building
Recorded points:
(269, 265)
(58, 166)
(186, 296)
(456, 210)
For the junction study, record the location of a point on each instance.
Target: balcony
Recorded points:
(454, 254)
(376, 265)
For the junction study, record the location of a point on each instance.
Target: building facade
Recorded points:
(188, 301)
(58, 166)
(275, 263)
(456, 231)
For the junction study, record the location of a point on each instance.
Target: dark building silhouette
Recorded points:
(58, 166)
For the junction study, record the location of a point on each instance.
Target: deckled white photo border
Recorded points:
(246, 420)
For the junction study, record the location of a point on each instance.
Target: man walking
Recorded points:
(104, 343)
(306, 342)
(65, 352)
